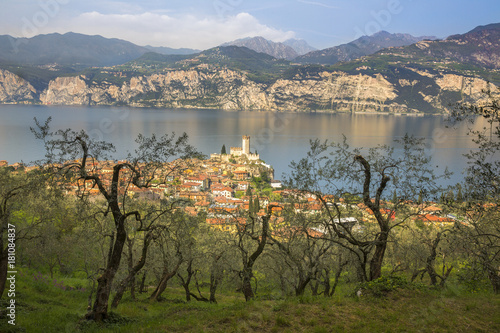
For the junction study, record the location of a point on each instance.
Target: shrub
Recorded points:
(383, 285)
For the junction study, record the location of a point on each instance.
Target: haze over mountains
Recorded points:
(379, 73)
(81, 51)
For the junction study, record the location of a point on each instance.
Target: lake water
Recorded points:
(278, 137)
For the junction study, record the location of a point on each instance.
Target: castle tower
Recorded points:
(246, 145)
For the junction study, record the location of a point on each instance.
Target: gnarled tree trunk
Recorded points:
(166, 276)
(105, 281)
(133, 270)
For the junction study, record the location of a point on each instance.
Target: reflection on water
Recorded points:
(278, 137)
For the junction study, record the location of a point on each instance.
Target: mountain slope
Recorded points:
(171, 51)
(260, 67)
(479, 47)
(300, 46)
(70, 49)
(362, 46)
(262, 45)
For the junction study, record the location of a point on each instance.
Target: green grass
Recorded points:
(49, 308)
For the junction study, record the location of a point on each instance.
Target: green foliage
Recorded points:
(151, 61)
(420, 199)
(116, 320)
(275, 197)
(473, 278)
(256, 205)
(384, 285)
(303, 72)
(282, 321)
(459, 196)
(265, 177)
(251, 205)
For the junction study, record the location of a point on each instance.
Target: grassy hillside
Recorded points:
(45, 305)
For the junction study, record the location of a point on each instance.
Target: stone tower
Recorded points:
(246, 145)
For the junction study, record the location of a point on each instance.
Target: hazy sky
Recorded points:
(208, 23)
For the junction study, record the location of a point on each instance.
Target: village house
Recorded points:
(224, 191)
(432, 219)
(241, 175)
(435, 210)
(276, 184)
(203, 181)
(242, 185)
(194, 196)
(187, 186)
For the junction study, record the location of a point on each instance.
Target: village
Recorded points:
(225, 186)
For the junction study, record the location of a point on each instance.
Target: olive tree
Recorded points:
(210, 258)
(75, 157)
(480, 229)
(356, 183)
(24, 208)
(175, 245)
(250, 239)
(297, 250)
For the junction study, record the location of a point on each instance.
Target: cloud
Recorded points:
(186, 30)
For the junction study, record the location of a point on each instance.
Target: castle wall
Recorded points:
(236, 151)
(253, 157)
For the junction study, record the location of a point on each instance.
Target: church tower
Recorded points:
(246, 145)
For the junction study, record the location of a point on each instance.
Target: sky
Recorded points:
(204, 24)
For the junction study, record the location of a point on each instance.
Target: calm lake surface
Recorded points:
(278, 137)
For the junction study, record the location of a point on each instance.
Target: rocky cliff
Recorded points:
(223, 89)
(14, 89)
(410, 90)
(229, 90)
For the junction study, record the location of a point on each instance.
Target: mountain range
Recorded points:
(362, 46)
(80, 51)
(386, 75)
(289, 49)
(70, 49)
(480, 47)
(169, 50)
